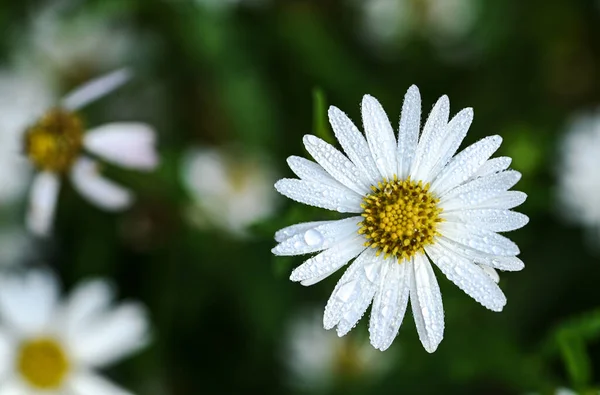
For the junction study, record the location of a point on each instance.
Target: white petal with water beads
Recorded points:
(318, 238)
(468, 276)
(322, 265)
(336, 164)
(426, 303)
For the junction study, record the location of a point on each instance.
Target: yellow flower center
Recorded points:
(400, 218)
(54, 142)
(43, 363)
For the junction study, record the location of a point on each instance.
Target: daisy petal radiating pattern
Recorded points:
(48, 346)
(56, 144)
(420, 205)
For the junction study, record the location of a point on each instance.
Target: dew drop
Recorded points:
(313, 238)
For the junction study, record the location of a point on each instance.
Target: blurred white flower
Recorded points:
(317, 359)
(230, 192)
(76, 45)
(578, 177)
(392, 21)
(52, 347)
(24, 95)
(54, 142)
(222, 5)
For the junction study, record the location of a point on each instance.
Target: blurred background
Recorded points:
(231, 86)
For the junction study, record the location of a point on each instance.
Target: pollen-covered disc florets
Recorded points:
(55, 141)
(400, 217)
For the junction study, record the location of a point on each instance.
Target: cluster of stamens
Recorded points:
(400, 218)
(55, 141)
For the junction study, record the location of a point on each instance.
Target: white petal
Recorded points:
(506, 263)
(318, 238)
(293, 230)
(504, 201)
(431, 139)
(128, 144)
(88, 383)
(408, 131)
(354, 144)
(111, 336)
(467, 276)
(360, 294)
(495, 182)
(479, 239)
(315, 194)
(454, 134)
(380, 136)
(14, 386)
(310, 171)
(28, 302)
(491, 272)
(86, 302)
(493, 166)
(42, 203)
(426, 303)
(8, 347)
(465, 164)
(322, 265)
(95, 89)
(478, 192)
(353, 292)
(336, 164)
(390, 304)
(489, 219)
(97, 189)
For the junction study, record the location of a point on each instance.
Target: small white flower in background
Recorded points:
(55, 143)
(317, 359)
(578, 177)
(222, 5)
(76, 45)
(53, 347)
(387, 21)
(415, 202)
(230, 192)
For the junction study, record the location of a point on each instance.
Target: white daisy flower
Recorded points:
(74, 45)
(55, 143)
(414, 202)
(385, 21)
(53, 348)
(230, 192)
(317, 359)
(579, 183)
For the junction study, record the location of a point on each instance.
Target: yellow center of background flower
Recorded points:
(54, 142)
(43, 363)
(400, 218)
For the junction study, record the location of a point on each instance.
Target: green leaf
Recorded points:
(577, 363)
(320, 120)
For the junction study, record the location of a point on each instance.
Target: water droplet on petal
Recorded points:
(313, 238)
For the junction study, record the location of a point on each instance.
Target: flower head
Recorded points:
(56, 144)
(317, 359)
(54, 347)
(415, 203)
(230, 192)
(579, 183)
